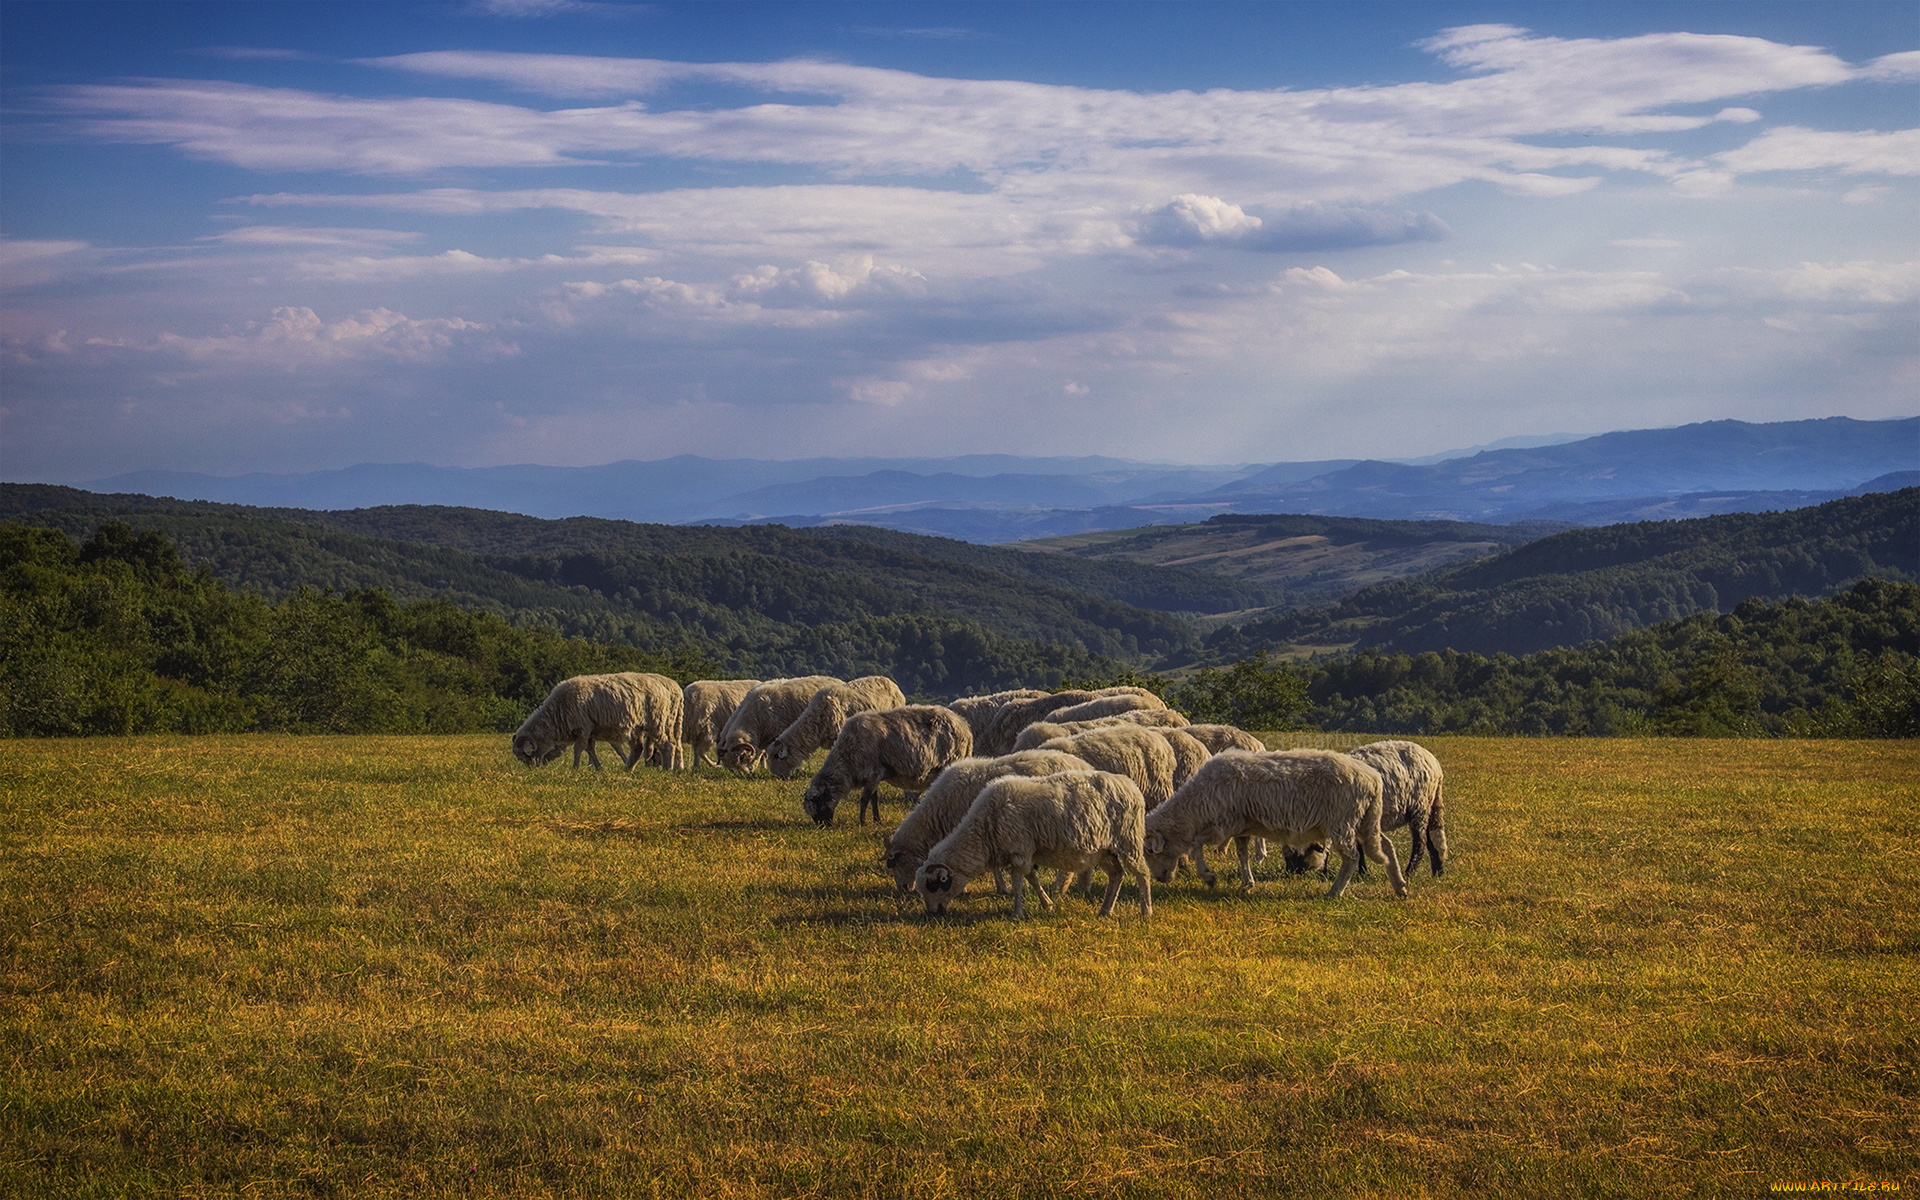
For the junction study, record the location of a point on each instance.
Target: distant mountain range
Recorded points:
(1686, 471)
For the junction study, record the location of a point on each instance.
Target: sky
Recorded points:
(282, 236)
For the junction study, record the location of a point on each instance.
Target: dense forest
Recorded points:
(119, 635)
(1596, 584)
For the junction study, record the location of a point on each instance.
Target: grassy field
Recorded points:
(269, 966)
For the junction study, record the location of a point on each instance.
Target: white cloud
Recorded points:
(287, 235)
(296, 337)
(1792, 148)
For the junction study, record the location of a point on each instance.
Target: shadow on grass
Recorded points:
(741, 825)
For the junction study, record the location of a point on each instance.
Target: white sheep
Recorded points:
(1109, 706)
(1295, 797)
(1011, 718)
(1077, 822)
(906, 747)
(1412, 783)
(639, 714)
(820, 721)
(949, 796)
(1189, 753)
(709, 704)
(1226, 737)
(978, 711)
(1047, 730)
(1141, 755)
(761, 716)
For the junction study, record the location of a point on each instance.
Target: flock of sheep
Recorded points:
(1078, 781)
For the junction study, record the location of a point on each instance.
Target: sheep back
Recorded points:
(1189, 753)
(978, 711)
(905, 746)
(762, 714)
(1108, 706)
(819, 722)
(949, 796)
(1226, 737)
(1139, 754)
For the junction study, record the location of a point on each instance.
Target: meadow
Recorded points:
(407, 966)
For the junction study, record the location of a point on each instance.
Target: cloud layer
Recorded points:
(968, 264)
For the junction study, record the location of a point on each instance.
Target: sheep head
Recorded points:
(904, 865)
(1300, 860)
(533, 752)
(1163, 857)
(781, 760)
(822, 798)
(739, 756)
(938, 884)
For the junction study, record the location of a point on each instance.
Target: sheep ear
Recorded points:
(1155, 843)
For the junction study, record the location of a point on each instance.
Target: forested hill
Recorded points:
(1595, 584)
(937, 616)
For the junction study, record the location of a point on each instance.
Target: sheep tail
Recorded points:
(1436, 831)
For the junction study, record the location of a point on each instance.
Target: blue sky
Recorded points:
(288, 236)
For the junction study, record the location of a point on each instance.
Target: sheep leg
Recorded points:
(1041, 890)
(1113, 889)
(1259, 849)
(1244, 845)
(1419, 848)
(1000, 885)
(1394, 877)
(1349, 855)
(870, 795)
(1146, 893)
(1201, 868)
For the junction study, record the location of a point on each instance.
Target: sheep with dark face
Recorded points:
(762, 714)
(949, 796)
(906, 747)
(640, 714)
(1412, 784)
(1076, 822)
(709, 705)
(820, 721)
(1295, 797)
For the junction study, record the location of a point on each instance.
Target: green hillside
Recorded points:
(1595, 584)
(762, 601)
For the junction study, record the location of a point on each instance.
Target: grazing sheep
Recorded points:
(949, 796)
(1141, 755)
(1189, 753)
(1047, 730)
(979, 711)
(639, 714)
(1294, 797)
(1411, 795)
(1109, 706)
(709, 704)
(1077, 822)
(819, 722)
(1226, 737)
(1011, 718)
(762, 715)
(905, 746)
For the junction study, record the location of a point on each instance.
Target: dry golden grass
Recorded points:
(408, 966)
